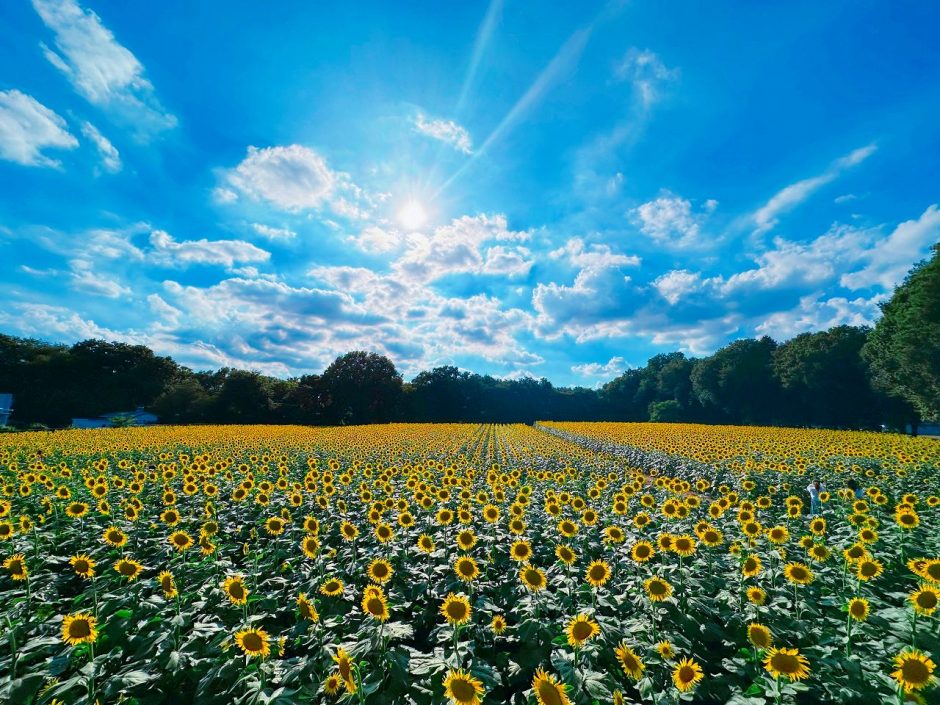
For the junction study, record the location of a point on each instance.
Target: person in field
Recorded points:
(815, 488)
(854, 486)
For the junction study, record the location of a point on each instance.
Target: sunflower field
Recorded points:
(457, 563)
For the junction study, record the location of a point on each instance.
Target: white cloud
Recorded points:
(510, 261)
(27, 127)
(677, 284)
(100, 69)
(612, 368)
(227, 253)
(446, 131)
(271, 233)
(767, 217)
(816, 313)
(889, 260)
(458, 248)
(646, 71)
(594, 256)
(295, 178)
(375, 239)
(110, 158)
(86, 278)
(670, 220)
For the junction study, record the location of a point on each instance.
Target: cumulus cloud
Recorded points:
(227, 253)
(677, 284)
(459, 248)
(85, 278)
(294, 178)
(606, 370)
(787, 198)
(670, 220)
(27, 127)
(271, 233)
(646, 71)
(110, 158)
(446, 131)
(889, 260)
(376, 239)
(597, 256)
(816, 312)
(100, 69)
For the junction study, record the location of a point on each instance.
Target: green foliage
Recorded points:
(904, 348)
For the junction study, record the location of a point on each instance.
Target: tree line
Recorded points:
(844, 377)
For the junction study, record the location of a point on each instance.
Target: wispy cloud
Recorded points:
(446, 131)
(484, 34)
(100, 69)
(646, 72)
(27, 127)
(110, 157)
(787, 198)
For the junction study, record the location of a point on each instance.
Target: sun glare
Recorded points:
(412, 215)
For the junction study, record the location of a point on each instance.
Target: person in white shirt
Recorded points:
(815, 488)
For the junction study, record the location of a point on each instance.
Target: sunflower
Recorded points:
(786, 662)
(686, 674)
(548, 690)
(565, 554)
(274, 526)
(751, 567)
(683, 545)
(180, 540)
(665, 650)
(113, 536)
(858, 609)
(924, 600)
(712, 537)
(310, 545)
(306, 608)
(456, 609)
(567, 528)
(167, 584)
(581, 629)
(254, 642)
(425, 544)
(16, 565)
(466, 569)
(657, 589)
(907, 519)
(759, 635)
(345, 666)
(348, 531)
(79, 628)
(914, 670)
(631, 664)
(76, 509)
(597, 573)
(375, 604)
(332, 684)
(128, 568)
(778, 534)
(520, 551)
(234, 588)
(931, 570)
(869, 568)
(331, 587)
(498, 624)
(466, 539)
(855, 553)
(462, 688)
(642, 551)
(533, 578)
(798, 573)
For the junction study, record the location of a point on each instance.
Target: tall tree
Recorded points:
(737, 383)
(904, 348)
(363, 387)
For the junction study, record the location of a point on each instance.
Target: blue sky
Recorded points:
(516, 188)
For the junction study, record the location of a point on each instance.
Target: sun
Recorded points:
(412, 215)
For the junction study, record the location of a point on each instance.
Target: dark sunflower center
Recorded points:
(456, 610)
(252, 642)
(128, 568)
(582, 631)
(549, 694)
(686, 674)
(657, 588)
(462, 689)
(375, 606)
(81, 566)
(927, 600)
(785, 663)
(915, 671)
(236, 590)
(79, 629)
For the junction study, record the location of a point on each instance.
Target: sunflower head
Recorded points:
(924, 600)
(631, 664)
(375, 604)
(533, 578)
(16, 566)
(787, 663)
(456, 609)
(331, 587)
(254, 643)
(581, 629)
(548, 690)
(520, 551)
(914, 670)
(466, 569)
(686, 674)
(462, 688)
(236, 590)
(759, 635)
(597, 573)
(79, 628)
(657, 589)
(858, 609)
(498, 624)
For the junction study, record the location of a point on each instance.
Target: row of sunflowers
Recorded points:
(461, 563)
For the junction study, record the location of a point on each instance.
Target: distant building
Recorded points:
(6, 408)
(138, 417)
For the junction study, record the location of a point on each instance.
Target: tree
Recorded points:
(825, 379)
(737, 383)
(669, 411)
(904, 348)
(363, 387)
